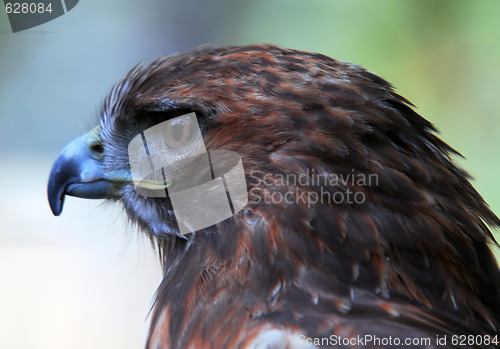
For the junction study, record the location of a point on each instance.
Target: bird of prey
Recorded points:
(355, 228)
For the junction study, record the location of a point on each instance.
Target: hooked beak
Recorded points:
(79, 171)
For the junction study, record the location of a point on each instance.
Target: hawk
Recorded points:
(355, 228)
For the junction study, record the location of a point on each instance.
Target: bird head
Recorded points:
(290, 116)
(287, 114)
(339, 173)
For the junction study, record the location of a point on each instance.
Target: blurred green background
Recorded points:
(79, 281)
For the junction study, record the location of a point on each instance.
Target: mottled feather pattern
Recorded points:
(412, 260)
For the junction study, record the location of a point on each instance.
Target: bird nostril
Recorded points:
(97, 148)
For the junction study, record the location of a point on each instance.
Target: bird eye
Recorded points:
(179, 131)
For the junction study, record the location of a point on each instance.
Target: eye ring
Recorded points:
(178, 131)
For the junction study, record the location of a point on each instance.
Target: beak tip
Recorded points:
(56, 210)
(56, 200)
